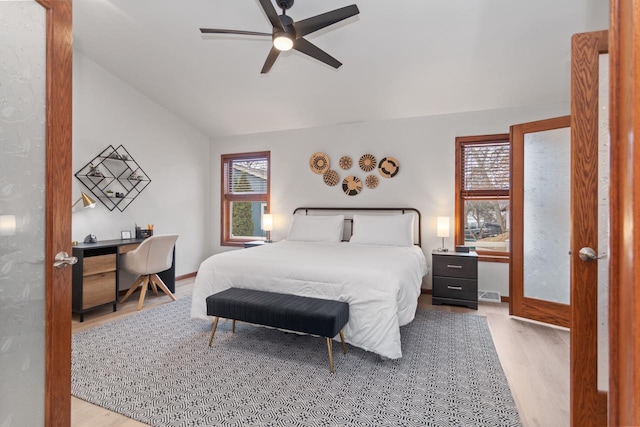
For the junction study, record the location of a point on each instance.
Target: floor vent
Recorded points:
(489, 296)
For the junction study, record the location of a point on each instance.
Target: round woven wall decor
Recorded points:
(345, 162)
(331, 177)
(367, 162)
(371, 181)
(351, 185)
(319, 163)
(388, 167)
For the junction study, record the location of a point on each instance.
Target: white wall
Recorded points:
(424, 147)
(174, 154)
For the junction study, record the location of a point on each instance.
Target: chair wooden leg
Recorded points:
(154, 288)
(143, 291)
(330, 355)
(158, 281)
(233, 326)
(132, 289)
(213, 330)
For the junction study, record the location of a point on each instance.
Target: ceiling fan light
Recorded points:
(283, 42)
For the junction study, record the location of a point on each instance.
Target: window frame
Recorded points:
(460, 198)
(226, 198)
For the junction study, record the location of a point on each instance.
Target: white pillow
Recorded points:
(316, 228)
(391, 230)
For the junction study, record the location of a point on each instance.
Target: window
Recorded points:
(482, 195)
(245, 196)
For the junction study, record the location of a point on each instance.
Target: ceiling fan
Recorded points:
(288, 34)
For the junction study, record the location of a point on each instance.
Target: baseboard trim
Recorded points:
(186, 276)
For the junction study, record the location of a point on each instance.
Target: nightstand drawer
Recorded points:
(454, 266)
(461, 289)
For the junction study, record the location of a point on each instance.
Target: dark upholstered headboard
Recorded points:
(348, 217)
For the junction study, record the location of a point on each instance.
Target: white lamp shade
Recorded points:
(267, 222)
(7, 225)
(442, 226)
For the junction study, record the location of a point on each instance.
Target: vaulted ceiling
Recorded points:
(402, 58)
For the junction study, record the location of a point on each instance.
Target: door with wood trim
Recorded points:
(35, 211)
(624, 312)
(539, 285)
(589, 228)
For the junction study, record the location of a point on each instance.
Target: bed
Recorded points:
(379, 274)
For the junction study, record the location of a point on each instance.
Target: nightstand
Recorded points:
(254, 243)
(455, 278)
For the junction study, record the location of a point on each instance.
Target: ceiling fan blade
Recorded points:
(245, 33)
(271, 58)
(271, 14)
(308, 48)
(315, 23)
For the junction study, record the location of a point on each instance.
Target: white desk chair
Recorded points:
(153, 255)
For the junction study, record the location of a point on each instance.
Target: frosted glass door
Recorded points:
(604, 148)
(22, 213)
(546, 215)
(540, 221)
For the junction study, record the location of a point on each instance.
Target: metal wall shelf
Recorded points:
(114, 178)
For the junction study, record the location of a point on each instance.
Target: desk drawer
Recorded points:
(98, 289)
(446, 287)
(99, 264)
(453, 266)
(123, 249)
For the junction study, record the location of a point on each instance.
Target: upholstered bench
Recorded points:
(291, 312)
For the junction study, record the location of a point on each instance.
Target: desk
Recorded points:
(95, 280)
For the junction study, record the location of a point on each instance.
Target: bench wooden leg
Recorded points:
(213, 330)
(344, 346)
(330, 355)
(233, 326)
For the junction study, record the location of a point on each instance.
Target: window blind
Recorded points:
(246, 176)
(485, 167)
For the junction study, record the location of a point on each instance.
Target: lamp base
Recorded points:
(442, 248)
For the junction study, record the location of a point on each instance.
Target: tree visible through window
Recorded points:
(245, 196)
(241, 218)
(482, 195)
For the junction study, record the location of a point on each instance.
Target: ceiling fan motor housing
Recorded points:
(287, 22)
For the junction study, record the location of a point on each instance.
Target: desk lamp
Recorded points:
(87, 201)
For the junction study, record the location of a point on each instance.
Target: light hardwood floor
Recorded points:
(535, 359)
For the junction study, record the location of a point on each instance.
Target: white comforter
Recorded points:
(380, 283)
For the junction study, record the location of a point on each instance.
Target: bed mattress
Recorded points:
(380, 283)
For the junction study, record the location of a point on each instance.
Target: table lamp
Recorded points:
(442, 230)
(267, 225)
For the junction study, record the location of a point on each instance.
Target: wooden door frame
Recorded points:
(519, 305)
(624, 267)
(588, 406)
(57, 396)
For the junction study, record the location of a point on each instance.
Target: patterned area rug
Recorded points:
(156, 367)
